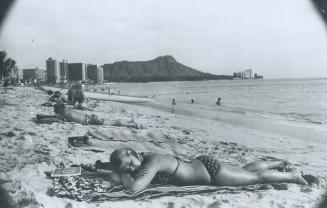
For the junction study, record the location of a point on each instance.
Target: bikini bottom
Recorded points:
(93, 119)
(211, 164)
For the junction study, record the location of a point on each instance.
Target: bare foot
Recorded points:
(299, 179)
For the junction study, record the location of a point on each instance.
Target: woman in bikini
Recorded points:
(136, 171)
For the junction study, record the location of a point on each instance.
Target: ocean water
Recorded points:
(295, 102)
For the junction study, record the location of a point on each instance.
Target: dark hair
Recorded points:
(57, 94)
(116, 157)
(49, 92)
(79, 96)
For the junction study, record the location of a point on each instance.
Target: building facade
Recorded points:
(32, 74)
(76, 72)
(63, 67)
(53, 72)
(247, 74)
(94, 73)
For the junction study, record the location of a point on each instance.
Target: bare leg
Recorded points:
(265, 165)
(231, 176)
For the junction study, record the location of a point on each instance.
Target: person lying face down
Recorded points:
(75, 116)
(137, 171)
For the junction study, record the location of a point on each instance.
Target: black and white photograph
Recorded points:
(163, 103)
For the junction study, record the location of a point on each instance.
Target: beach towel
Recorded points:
(48, 104)
(99, 189)
(46, 119)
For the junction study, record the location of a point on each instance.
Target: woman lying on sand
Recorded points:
(75, 116)
(136, 171)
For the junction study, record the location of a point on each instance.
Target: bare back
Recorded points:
(182, 173)
(75, 116)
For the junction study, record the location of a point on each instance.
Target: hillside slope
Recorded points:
(163, 68)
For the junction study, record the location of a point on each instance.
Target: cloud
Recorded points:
(276, 37)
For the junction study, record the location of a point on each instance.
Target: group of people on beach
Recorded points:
(75, 98)
(80, 103)
(135, 171)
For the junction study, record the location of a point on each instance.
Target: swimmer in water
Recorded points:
(174, 102)
(218, 101)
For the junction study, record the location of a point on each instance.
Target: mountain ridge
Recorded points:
(162, 68)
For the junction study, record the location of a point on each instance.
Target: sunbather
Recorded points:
(137, 171)
(71, 115)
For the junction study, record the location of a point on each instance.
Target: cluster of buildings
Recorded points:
(58, 72)
(63, 72)
(247, 74)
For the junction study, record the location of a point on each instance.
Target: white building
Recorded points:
(248, 74)
(53, 71)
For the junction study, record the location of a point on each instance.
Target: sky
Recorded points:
(275, 38)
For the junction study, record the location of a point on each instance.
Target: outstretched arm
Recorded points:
(126, 179)
(144, 176)
(118, 178)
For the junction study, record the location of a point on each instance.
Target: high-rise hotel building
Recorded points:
(63, 65)
(63, 71)
(76, 72)
(94, 73)
(36, 73)
(53, 73)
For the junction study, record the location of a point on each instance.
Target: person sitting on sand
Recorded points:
(76, 97)
(136, 171)
(70, 93)
(79, 99)
(75, 116)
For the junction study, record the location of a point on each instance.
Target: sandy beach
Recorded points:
(29, 149)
